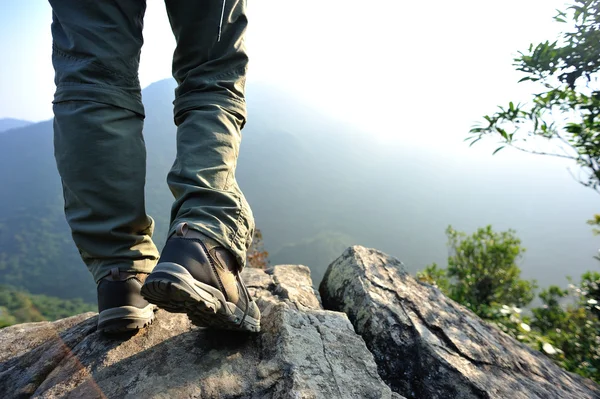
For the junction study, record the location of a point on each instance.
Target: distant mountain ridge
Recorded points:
(11, 123)
(315, 185)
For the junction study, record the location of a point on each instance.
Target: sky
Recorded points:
(394, 69)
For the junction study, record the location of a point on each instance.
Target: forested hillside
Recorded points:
(18, 306)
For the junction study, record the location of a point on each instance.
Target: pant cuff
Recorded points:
(220, 234)
(123, 98)
(100, 271)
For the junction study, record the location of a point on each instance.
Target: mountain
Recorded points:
(36, 250)
(10, 123)
(315, 185)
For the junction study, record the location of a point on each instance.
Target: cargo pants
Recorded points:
(99, 116)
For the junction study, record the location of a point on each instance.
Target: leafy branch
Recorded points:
(565, 117)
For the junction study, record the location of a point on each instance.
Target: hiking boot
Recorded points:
(121, 307)
(198, 276)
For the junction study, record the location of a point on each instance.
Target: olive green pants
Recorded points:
(98, 120)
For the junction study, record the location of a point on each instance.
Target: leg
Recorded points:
(212, 225)
(210, 112)
(99, 147)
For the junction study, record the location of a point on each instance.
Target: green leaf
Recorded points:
(502, 133)
(474, 141)
(498, 149)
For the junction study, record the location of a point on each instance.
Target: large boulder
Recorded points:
(428, 346)
(302, 351)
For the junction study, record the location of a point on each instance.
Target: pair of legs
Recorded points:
(99, 146)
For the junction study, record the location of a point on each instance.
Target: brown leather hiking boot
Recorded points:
(198, 276)
(121, 307)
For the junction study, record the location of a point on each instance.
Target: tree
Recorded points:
(563, 119)
(482, 272)
(257, 257)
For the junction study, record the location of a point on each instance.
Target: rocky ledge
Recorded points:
(427, 346)
(302, 351)
(387, 336)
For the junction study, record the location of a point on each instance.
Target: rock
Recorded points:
(15, 340)
(302, 351)
(296, 286)
(428, 346)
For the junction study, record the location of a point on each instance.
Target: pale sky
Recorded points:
(392, 68)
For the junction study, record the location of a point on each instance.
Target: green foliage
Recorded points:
(21, 307)
(595, 222)
(482, 270)
(45, 261)
(435, 276)
(565, 116)
(570, 324)
(551, 314)
(6, 319)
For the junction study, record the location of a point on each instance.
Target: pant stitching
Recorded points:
(235, 236)
(62, 53)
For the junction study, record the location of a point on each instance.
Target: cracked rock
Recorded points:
(427, 346)
(302, 351)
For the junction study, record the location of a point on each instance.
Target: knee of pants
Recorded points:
(82, 79)
(96, 52)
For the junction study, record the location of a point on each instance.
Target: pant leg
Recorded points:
(209, 65)
(98, 142)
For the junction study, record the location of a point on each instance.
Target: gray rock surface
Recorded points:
(428, 346)
(302, 351)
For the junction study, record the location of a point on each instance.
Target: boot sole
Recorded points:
(125, 319)
(172, 288)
